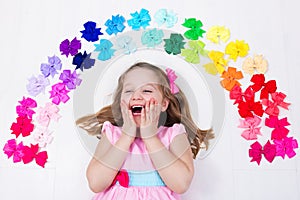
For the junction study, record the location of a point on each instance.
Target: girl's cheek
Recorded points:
(124, 98)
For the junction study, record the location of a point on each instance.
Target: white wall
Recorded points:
(31, 30)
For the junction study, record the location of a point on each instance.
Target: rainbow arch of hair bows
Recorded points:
(260, 98)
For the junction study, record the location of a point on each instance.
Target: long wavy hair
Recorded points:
(177, 112)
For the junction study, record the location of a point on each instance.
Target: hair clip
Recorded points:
(172, 77)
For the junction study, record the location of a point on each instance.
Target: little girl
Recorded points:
(148, 139)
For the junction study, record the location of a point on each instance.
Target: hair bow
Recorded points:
(251, 123)
(31, 153)
(11, 148)
(279, 130)
(25, 107)
(256, 152)
(37, 85)
(42, 136)
(172, 77)
(237, 94)
(230, 78)
(54, 64)
(23, 126)
(127, 44)
(278, 100)
(70, 79)
(59, 93)
(66, 47)
(90, 32)
(46, 113)
(286, 147)
(257, 63)
(266, 88)
(122, 177)
(247, 108)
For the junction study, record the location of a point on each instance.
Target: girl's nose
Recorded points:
(136, 95)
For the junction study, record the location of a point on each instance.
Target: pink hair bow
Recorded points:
(11, 148)
(278, 100)
(22, 126)
(172, 77)
(286, 147)
(237, 94)
(42, 136)
(25, 107)
(279, 130)
(45, 114)
(31, 153)
(251, 123)
(256, 152)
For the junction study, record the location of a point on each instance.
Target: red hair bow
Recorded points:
(247, 107)
(266, 88)
(122, 177)
(256, 152)
(272, 106)
(237, 94)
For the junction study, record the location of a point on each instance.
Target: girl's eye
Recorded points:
(147, 91)
(128, 91)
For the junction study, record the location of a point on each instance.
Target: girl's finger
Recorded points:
(152, 110)
(143, 117)
(130, 115)
(147, 110)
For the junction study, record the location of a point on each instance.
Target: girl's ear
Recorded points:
(165, 104)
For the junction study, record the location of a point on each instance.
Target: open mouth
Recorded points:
(136, 109)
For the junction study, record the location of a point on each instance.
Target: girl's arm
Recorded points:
(175, 166)
(109, 158)
(106, 162)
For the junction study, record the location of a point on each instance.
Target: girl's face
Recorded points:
(140, 85)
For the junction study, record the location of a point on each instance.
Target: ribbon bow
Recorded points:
(122, 177)
(127, 44)
(250, 65)
(70, 79)
(45, 114)
(54, 64)
(172, 77)
(230, 78)
(279, 130)
(286, 147)
(70, 47)
(11, 148)
(278, 100)
(237, 94)
(59, 93)
(256, 152)
(25, 107)
(196, 49)
(37, 85)
(251, 123)
(247, 107)
(266, 88)
(22, 126)
(31, 153)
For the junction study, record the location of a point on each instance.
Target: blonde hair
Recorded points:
(177, 112)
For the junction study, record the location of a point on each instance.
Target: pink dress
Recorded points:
(144, 181)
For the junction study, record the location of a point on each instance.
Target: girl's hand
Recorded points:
(149, 119)
(129, 126)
